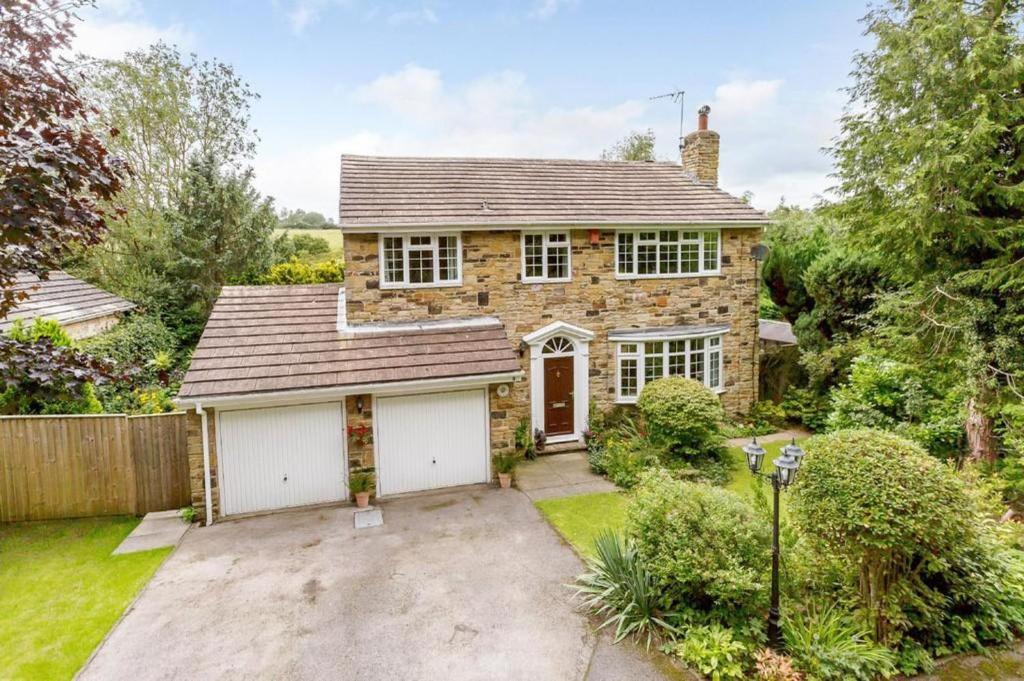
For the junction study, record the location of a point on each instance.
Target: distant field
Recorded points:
(333, 236)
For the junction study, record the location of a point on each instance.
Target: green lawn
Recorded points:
(333, 236)
(61, 591)
(580, 519)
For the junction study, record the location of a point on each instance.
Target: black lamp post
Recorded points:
(786, 467)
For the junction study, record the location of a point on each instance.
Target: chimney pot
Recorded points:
(702, 117)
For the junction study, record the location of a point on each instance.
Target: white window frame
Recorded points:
(435, 252)
(640, 356)
(678, 274)
(545, 279)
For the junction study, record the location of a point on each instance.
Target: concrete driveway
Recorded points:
(459, 585)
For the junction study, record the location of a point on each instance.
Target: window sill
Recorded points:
(633, 400)
(567, 280)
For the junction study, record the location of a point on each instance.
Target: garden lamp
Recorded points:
(755, 454)
(794, 450)
(786, 467)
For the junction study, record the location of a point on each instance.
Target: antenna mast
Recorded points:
(676, 96)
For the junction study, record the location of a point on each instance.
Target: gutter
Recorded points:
(439, 227)
(206, 463)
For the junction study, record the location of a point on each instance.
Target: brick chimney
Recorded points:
(700, 150)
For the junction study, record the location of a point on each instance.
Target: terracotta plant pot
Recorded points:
(505, 479)
(362, 499)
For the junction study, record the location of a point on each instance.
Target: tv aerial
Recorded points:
(676, 96)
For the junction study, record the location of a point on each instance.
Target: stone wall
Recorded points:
(360, 441)
(700, 155)
(594, 300)
(194, 430)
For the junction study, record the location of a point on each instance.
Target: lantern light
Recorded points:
(755, 454)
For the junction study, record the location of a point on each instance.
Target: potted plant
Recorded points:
(505, 464)
(538, 439)
(524, 443)
(361, 484)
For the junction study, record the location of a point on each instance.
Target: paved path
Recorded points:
(156, 531)
(797, 433)
(559, 475)
(465, 585)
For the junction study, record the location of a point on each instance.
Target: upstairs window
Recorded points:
(546, 256)
(667, 253)
(642, 362)
(420, 260)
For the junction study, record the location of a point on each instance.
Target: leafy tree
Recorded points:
(636, 146)
(931, 175)
(795, 239)
(296, 272)
(221, 229)
(56, 177)
(300, 219)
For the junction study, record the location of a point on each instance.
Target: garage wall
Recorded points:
(195, 463)
(505, 415)
(360, 450)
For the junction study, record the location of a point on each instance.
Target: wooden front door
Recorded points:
(558, 382)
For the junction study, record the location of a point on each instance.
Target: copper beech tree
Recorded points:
(56, 176)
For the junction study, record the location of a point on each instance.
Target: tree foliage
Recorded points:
(301, 219)
(683, 414)
(636, 146)
(931, 174)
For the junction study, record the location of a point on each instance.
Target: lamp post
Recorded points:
(786, 467)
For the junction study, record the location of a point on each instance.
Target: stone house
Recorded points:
(80, 308)
(480, 294)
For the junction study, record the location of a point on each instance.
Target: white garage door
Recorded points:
(431, 441)
(280, 457)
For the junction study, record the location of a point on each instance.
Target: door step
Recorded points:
(562, 448)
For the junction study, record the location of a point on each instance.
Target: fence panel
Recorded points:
(160, 448)
(73, 466)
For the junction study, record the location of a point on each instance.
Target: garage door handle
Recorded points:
(433, 461)
(286, 477)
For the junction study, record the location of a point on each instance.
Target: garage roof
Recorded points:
(63, 299)
(394, 192)
(262, 339)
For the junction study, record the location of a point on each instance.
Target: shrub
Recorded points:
(15, 399)
(828, 646)
(309, 244)
(623, 460)
(772, 666)
(766, 413)
(618, 587)
(706, 545)
(296, 272)
(136, 342)
(924, 561)
(684, 414)
(714, 652)
(807, 407)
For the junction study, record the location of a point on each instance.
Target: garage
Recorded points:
(433, 440)
(281, 457)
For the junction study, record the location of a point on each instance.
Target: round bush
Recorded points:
(707, 546)
(908, 528)
(684, 413)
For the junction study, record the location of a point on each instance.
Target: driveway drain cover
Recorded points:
(372, 517)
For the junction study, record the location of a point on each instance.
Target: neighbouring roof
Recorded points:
(262, 339)
(667, 332)
(776, 332)
(393, 192)
(62, 298)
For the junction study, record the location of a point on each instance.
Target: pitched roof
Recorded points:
(278, 338)
(776, 332)
(384, 192)
(62, 298)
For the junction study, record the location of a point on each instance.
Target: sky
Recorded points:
(533, 78)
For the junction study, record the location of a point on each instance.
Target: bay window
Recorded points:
(546, 256)
(640, 362)
(667, 253)
(420, 260)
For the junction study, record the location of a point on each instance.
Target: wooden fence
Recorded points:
(78, 466)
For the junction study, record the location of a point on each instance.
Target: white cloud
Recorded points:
(771, 138)
(423, 15)
(114, 27)
(545, 9)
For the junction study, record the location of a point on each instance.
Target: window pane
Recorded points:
(715, 369)
(534, 255)
(647, 259)
(711, 250)
(654, 361)
(625, 246)
(697, 344)
(421, 265)
(627, 377)
(627, 349)
(419, 241)
(714, 342)
(558, 262)
(697, 364)
(393, 265)
(558, 237)
(668, 258)
(690, 258)
(448, 258)
(677, 358)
